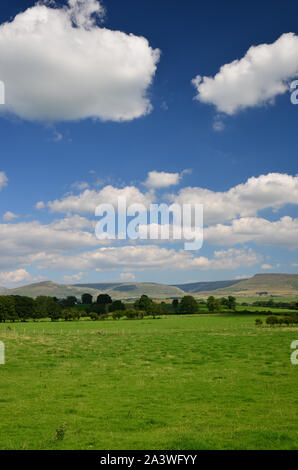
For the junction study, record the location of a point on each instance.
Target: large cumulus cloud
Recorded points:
(254, 80)
(59, 64)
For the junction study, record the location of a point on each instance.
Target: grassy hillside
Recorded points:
(115, 290)
(196, 287)
(51, 289)
(129, 290)
(279, 285)
(282, 285)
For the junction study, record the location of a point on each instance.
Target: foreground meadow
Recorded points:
(179, 383)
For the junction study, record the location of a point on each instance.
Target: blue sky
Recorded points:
(48, 145)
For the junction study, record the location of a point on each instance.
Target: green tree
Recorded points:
(100, 309)
(231, 302)
(24, 307)
(117, 305)
(272, 320)
(131, 313)
(156, 310)
(53, 308)
(55, 313)
(224, 302)
(69, 314)
(41, 306)
(7, 309)
(66, 314)
(45, 306)
(117, 314)
(213, 304)
(94, 316)
(188, 305)
(69, 302)
(104, 299)
(144, 303)
(87, 299)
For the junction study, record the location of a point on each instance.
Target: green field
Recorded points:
(178, 383)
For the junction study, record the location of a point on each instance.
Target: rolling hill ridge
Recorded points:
(258, 285)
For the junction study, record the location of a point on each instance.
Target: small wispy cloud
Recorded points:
(80, 185)
(40, 205)
(73, 278)
(127, 277)
(8, 216)
(218, 124)
(3, 180)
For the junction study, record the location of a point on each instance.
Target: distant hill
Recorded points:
(196, 287)
(115, 290)
(127, 290)
(102, 286)
(263, 284)
(51, 289)
(260, 284)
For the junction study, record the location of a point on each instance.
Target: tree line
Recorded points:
(22, 308)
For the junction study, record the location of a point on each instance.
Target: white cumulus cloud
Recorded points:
(23, 244)
(14, 277)
(162, 179)
(282, 233)
(88, 200)
(58, 64)
(254, 80)
(273, 190)
(142, 258)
